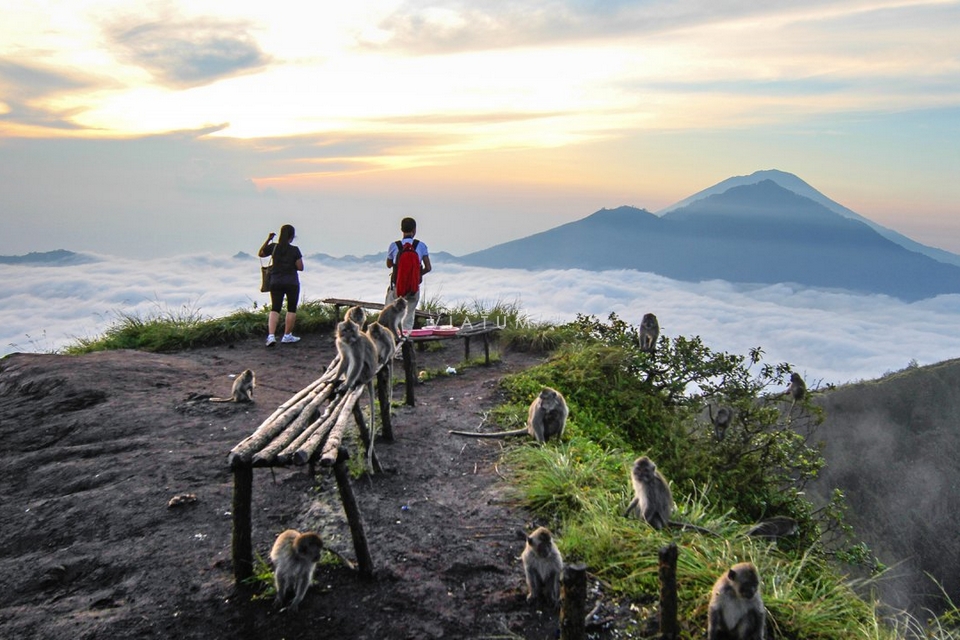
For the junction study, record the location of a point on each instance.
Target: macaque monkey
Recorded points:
(649, 333)
(651, 494)
(721, 421)
(546, 418)
(736, 610)
(774, 528)
(797, 388)
(543, 566)
(383, 341)
(391, 316)
(357, 353)
(242, 390)
(357, 314)
(294, 556)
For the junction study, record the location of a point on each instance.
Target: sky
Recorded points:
(157, 129)
(827, 336)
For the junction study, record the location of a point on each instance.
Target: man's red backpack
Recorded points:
(406, 269)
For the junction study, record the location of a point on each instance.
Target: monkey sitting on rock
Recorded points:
(543, 566)
(736, 610)
(546, 418)
(294, 556)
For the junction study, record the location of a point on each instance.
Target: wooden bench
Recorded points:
(307, 429)
(337, 303)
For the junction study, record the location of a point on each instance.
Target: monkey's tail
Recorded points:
(221, 399)
(497, 434)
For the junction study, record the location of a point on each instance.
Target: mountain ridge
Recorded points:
(758, 233)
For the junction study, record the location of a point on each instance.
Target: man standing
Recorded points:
(409, 259)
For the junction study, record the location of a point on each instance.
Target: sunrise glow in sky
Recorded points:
(159, 128)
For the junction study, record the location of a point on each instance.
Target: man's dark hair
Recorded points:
(408, 225)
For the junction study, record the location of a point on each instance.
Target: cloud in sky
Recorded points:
(828, 337)
(230, 117)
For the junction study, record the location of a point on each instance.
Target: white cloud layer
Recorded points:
(827, 336)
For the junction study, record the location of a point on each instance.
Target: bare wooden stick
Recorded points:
(242, 547)
(573, 624)
(294, 431)
(302, 449)
(669, 627)
(329, 455)
(340, 472)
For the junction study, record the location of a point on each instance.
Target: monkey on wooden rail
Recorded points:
(546, 418)
(242, 390)
(294, 556)
(391, 316)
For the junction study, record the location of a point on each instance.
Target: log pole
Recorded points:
(410, 371)
(242, 545)
(669, 627)
(384, 380)
(342, 474)
(573, 612)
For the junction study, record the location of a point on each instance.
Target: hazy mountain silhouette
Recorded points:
(755, 233)
(60, 257)
(793, 183)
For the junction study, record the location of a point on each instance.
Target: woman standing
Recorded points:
(284, 281)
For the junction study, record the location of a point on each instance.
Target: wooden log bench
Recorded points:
(338, 303)
(307, 429)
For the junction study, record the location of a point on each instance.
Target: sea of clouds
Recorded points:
(828, 336)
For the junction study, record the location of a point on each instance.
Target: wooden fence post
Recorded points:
(364, 561)
(384, 382)
(410, 370)
(242, 547)
(573, 622)
(669, 627)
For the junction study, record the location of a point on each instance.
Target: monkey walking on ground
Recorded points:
(543, 566)
(652, 497)
(546, 418)
(294, 556)
(242, 390)
(649, 333)
(736, 610)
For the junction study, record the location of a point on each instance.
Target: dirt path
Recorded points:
(95, 446)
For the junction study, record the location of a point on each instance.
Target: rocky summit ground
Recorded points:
(96, 446)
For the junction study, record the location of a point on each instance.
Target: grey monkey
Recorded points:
(383, 341)
(774, 528)
(546, 418)
(242, 390)
(797, 389)
(649, 333)
(357, 314)
(721, 421)
(542, 565)
(736, 610)
(294, 556)
(391, 316)
(357, 353)
(652, 497)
